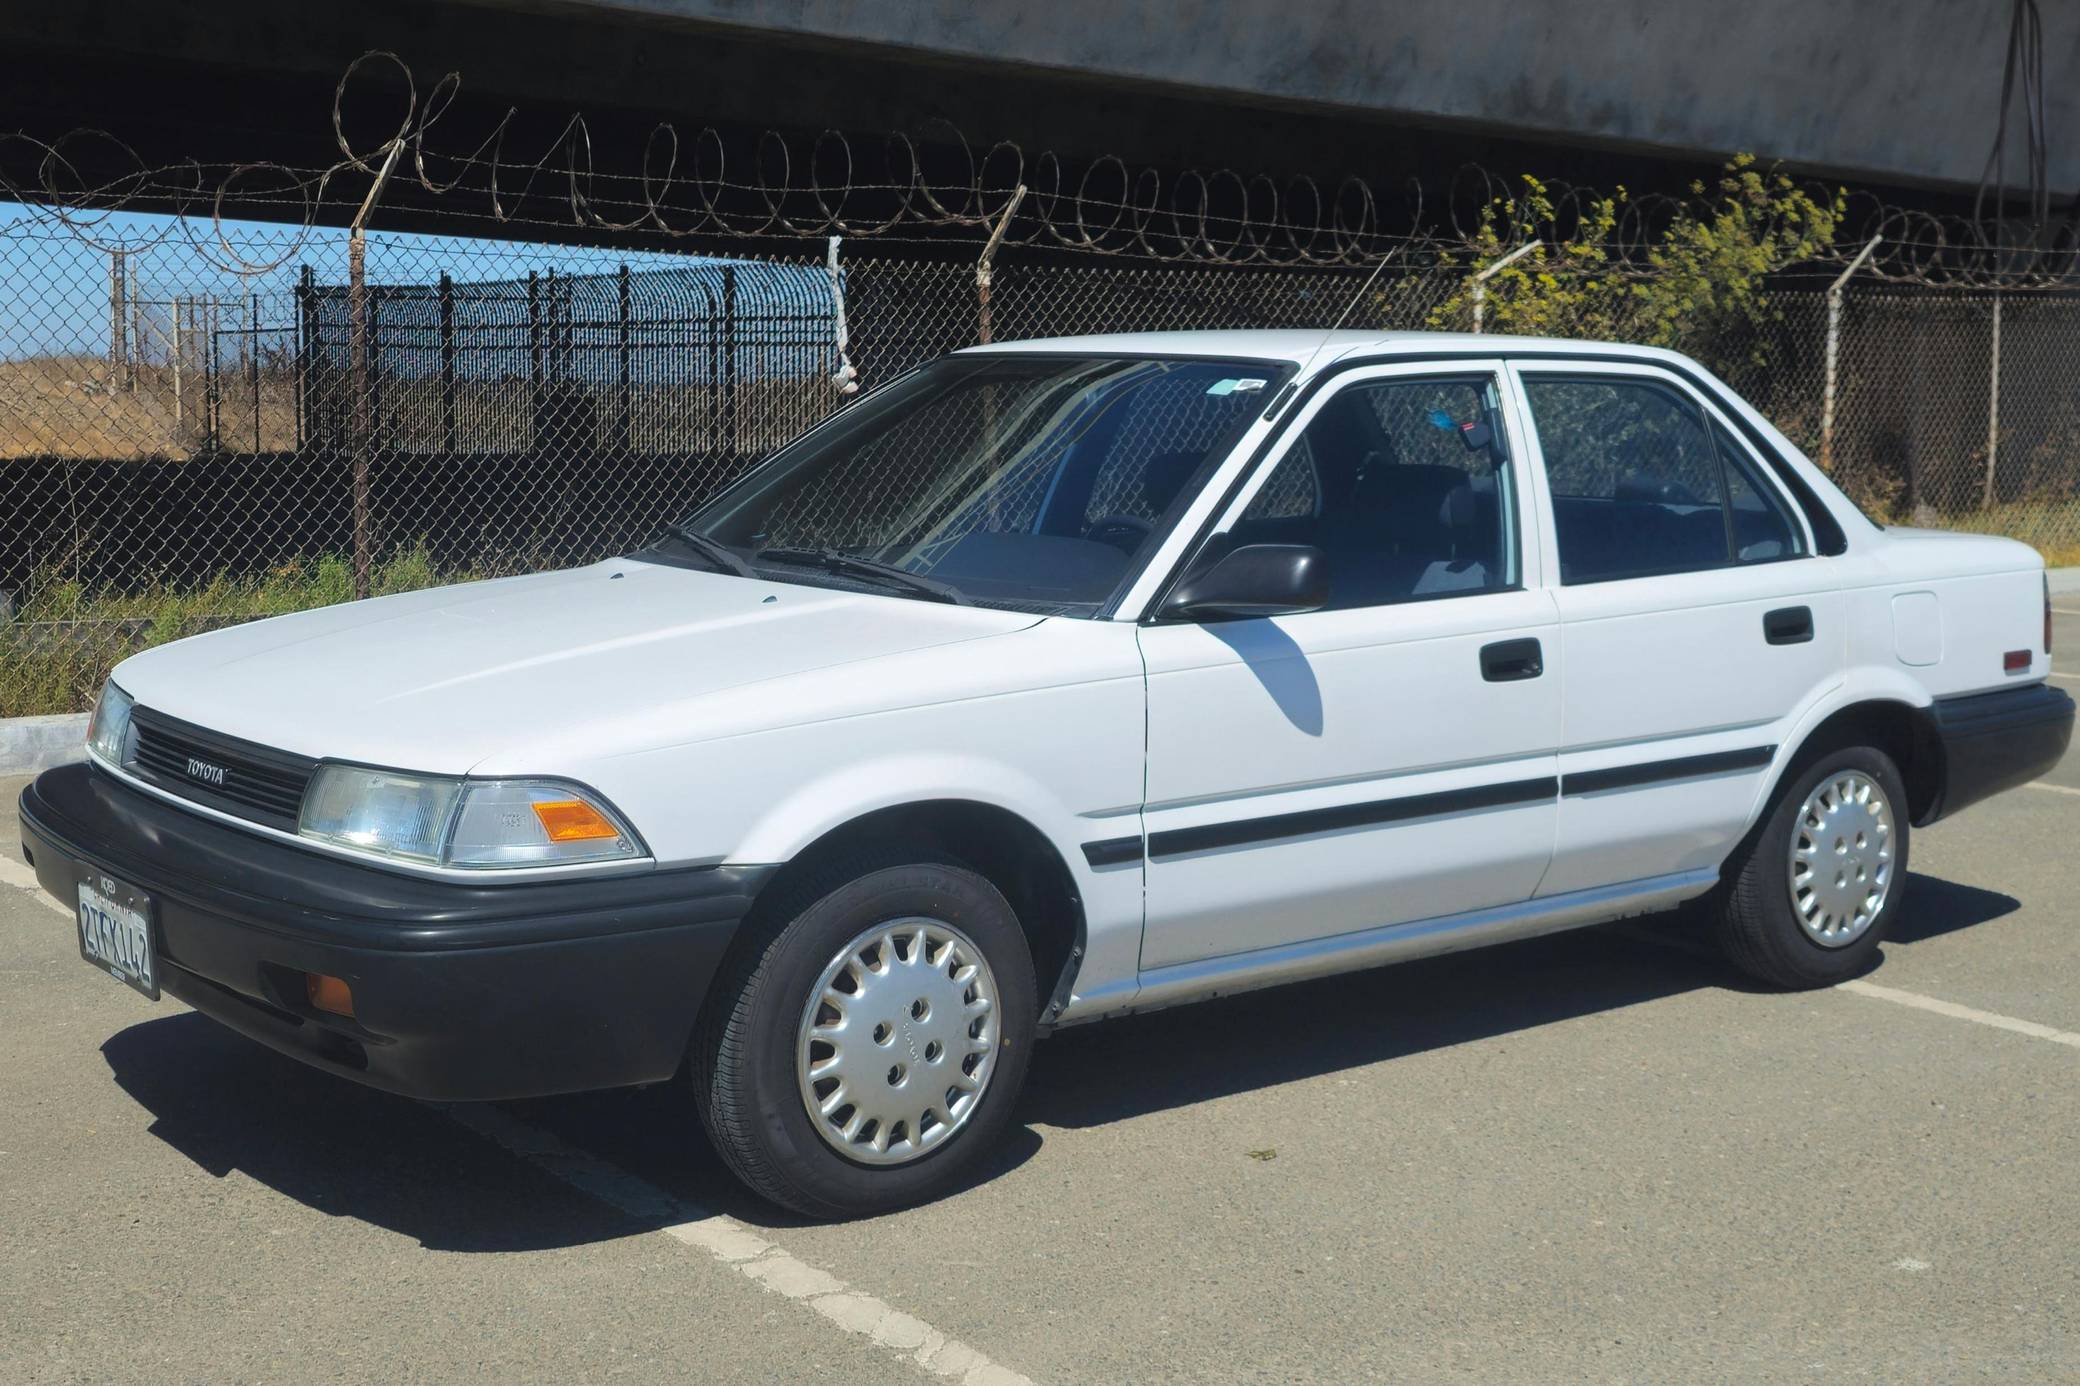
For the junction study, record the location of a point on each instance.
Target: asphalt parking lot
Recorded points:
(1597, 1156)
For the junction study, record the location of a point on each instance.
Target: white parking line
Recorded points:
(1957, 1012)
(2054, 788)
(2069, 678)
(738, 1247)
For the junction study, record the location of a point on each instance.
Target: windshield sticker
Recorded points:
(1241, 386)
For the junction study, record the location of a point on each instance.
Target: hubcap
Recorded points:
(1841, 858)
(898, 1041)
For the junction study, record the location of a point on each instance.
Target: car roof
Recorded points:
(1304, 345)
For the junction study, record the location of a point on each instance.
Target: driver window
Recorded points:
(1403, 485)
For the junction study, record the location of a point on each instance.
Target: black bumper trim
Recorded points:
(461, 990)
(1990, 742)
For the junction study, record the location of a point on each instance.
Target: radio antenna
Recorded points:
(1349, 308)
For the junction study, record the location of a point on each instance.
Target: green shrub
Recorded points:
(60, 646)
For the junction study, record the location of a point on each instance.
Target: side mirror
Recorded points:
(1254, 580)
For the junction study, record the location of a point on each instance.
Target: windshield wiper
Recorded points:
(724, 558)
(852, 565)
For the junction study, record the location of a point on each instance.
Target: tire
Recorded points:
(745, 1063)
(1761, 916)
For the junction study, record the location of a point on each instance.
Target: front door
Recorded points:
(1391, 757)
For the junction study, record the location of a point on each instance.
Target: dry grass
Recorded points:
(81, 407)
(2051, 527)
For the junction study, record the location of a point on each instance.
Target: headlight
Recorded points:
(109, 730)
(463, 823)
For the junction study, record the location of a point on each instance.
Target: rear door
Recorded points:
(1695, 621)
(1390, 757)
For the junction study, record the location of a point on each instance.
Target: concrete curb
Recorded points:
(2063, 580)
(30, 744)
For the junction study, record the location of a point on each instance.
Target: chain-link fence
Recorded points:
(182, 446)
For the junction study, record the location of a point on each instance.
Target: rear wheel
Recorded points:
(866, 1042)
(1808, 896)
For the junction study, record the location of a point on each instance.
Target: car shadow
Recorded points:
(230, 1105)
(1934, 907)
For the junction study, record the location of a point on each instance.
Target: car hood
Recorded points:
(440, 679)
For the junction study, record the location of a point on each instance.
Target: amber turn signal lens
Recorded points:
(328, 994)
(573, 820)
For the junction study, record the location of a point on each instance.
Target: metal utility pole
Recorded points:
(359, 355)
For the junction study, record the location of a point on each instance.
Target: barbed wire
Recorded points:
(900, 187)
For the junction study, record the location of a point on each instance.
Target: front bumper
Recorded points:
(1989, 742)
(461, 991)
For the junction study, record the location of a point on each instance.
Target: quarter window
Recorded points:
(1403, 485)
(1644, 484)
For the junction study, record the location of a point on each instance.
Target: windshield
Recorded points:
(1034, 482)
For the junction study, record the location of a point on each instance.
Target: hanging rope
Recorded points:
(846, 377)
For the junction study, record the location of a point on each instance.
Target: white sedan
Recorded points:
(1052, 681)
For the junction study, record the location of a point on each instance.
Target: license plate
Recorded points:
(115, 932)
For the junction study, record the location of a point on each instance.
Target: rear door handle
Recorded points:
(1508, 660)
(1788, 625)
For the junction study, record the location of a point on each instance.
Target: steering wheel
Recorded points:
(1123, 532)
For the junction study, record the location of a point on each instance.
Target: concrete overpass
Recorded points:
(1891, 91)
(1899, 95)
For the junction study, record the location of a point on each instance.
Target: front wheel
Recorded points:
(867, 1040)
(1808, 896)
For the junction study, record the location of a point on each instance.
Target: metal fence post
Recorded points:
(1993, 405)
(534, 360)
(623, 422)
(136, 334)
(1834, 333)
(985, 272)
(447, 298)
(360, 348)
(306, 348)
(212, 369)
(729, 356)
(118, 321)
(253, 362)
(179, 346)
(1480, 281)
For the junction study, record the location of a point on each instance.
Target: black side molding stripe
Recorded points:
(1112, 851)
(1178, 841)
(1656, 771)
(1243, 832)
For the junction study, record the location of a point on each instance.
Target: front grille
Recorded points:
(224, 772)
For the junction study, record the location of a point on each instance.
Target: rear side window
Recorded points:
(1644, 484)
(1762, 525)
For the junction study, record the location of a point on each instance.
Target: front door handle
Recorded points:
(1508, 660)
(1788, 625)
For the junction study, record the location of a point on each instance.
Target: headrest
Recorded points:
(1461, 508)
(1164, 476)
